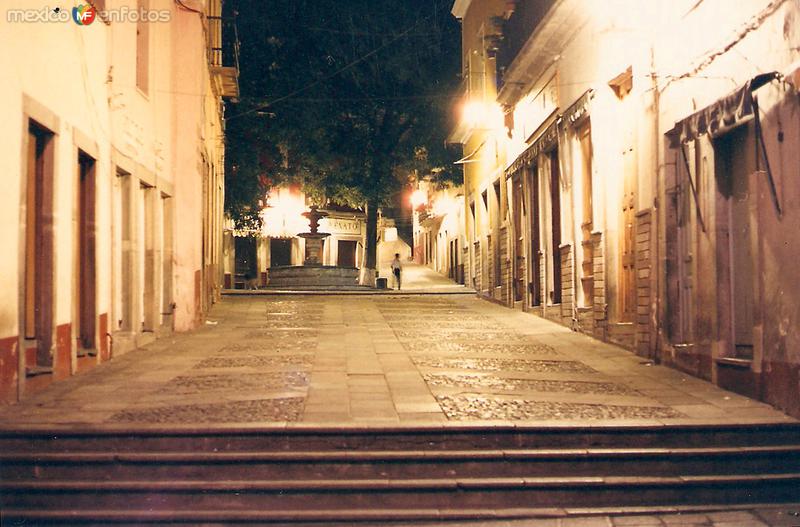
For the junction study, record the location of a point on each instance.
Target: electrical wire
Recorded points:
(330, 76)
(187, 8)
(355, 33)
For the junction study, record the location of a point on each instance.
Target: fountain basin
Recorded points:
(312, 276)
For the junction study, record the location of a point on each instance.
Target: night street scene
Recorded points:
(402, 263)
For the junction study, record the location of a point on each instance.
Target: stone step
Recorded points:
(398, 464)
(324, 474)
(302, 438)
(342, 517)
(400, 495)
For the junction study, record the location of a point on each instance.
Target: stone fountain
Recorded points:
(313, 274)
(314, 238)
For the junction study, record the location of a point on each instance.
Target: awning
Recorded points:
(544, 142)
(792, 75)
(549, 137)
(724, 114)
(579, 108)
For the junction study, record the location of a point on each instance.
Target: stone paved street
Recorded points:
(396, 360)
(381, 360)
(763, 517)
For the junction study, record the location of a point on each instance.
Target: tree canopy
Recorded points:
(345, 98)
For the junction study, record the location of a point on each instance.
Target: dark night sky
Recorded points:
(339, 95)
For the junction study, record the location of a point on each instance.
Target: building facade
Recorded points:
(438, 220)
(249, 256)
(627, 174)
(113, 166)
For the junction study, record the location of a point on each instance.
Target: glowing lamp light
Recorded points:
(444, 206)
(482, 115)
(283, 217)
(473, 113)
(418, 197)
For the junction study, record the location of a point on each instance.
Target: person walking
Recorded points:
(397, 269)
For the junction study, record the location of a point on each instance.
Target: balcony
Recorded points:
(518, 29)
(223, 56)
(459, 131)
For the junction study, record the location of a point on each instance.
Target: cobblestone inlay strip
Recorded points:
(461, 335)
(420, 306)
(492, 364)
(277, 347)
(290, 315)
(463, 407)
(538, 385)
(282, 329)
(287, 325)
(424, 310)
(463, 325)
(282, 409)
(270, 381)
(305, 313)
(432, 319)
(256, 361)
(277, 334)
(479, 347)
(408, 301)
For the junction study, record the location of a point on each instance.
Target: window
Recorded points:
(143, 50)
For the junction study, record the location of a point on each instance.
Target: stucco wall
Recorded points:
(80, 83)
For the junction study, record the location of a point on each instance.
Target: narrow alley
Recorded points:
(460, 263)
(379, 408)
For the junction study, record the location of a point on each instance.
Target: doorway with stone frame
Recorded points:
(38, 289)
(534, 237)
(85, 263)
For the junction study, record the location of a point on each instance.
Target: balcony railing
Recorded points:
(527, 16)
(458, 129)
(223, 55)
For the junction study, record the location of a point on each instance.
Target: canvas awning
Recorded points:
(544, 142)
(549, 136)
(792, 75)
(722, 115)
(734, 109)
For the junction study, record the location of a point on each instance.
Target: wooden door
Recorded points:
(555, 224)
(86, 279)
(346, 253)
(736, 166)
(534, 280)
(280, 251)
(587, 216)
(519, 237)
(246, 264)
(627, 289)
(38, 315)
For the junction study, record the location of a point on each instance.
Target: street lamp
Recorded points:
(418, 197)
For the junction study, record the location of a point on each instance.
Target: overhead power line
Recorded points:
(334, 74)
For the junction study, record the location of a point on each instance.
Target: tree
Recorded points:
(345, 98)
